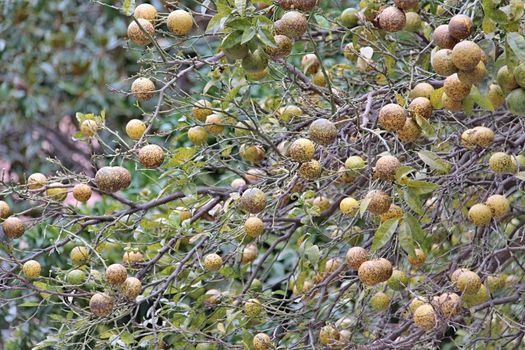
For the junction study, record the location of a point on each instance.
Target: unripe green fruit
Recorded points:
(76, 277)
(413, 22)
(255, 62)
(354, 163)
(496, 96)
(516, 101)
(101, 304)
(506, 80)
(287, 113)
(380, 301)
(31, 269)
(237, 52)
(349, 17)
(479, 297)
(398, 281)
(79, 255)
(212, 262)
(198, 135)
(495, 283)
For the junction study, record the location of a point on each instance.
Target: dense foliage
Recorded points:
(236, 175)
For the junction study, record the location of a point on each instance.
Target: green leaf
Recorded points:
(313, 254)
(422, 187)
(182, 155)
(323, 22)
(482, 101)
(427, 128)
(240, 5)
(435, 98)
(28, 304)
(405, 239)
(248, 35)
(520, 175)
(468, 105)
(364, 205)
(516, 42)
(127, 8)
(434, 161)
(232, 39)
(384, 233)
(413, 201)
(403, 171)
(266, 38)
(417, 232)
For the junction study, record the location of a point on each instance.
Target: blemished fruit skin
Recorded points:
(455, 89)
(499, 205)
(319, 79)
(348, 205)
(283, 49)
(398, 281)
(410, 131)
(259, 75)
(201, 109)
(252, 153)
(356, 256)
(506, 80)
(101, 304)
(421, 90)
(322, 203)
(261, 341)
(455, 275)
(212, 262)
(310, 63)
(5, 211)
(419, 258)
(407, 4)
(483, 136)
(349, 18)
(179, 22)
(151, 156)
(473, 76)
(82, 192)
(112, 179)
(56, 191)
(460, 27)
(254, 227)
(379, 202)
(132, 257)
(36, 181)
(293, 24)
(450, 104)
(468, 282)
(116, 274)
(301, 5)
(238, 183)
(214, 124)
(495, 283)
(380, 301)
(31, 269)
(502, 163)
(448, 304)
(480, 214)
(481, 296)
(79, 255)
(322, 131)
(392, 117)
(88, 127)
(466, 55)
(131, 288)
(253, 308)
(302, 150)
(13, 227)
(394, 211)
(372, 272)
(392, 19)
(386, 167)
(328, 335)
(415, 303)
(310, 170)
(442, 37)
(249, 254)
(354, 163)
(442, 63)
(143, 89)
(425, 317)
(253, 200)
(135, 129)
(136, 34)
(198, 135)
(516, 101)
(420, 106)
(146, 11)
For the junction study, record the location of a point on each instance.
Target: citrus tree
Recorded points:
(293, 175)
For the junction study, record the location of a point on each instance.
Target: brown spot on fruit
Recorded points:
(392, 117)
(442, 37)
(460, 27)
(455, 89)
(466, 55)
